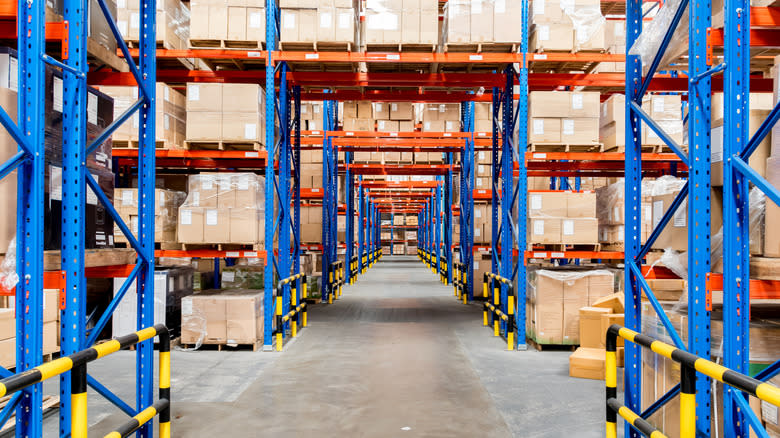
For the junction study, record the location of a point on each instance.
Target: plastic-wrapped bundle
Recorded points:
(173, 22)
(8, 276)
(166, 212)
(222, 317)
(481, 21)
(223, 208)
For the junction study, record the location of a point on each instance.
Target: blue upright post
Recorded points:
(448, 217)
(329, 202)
(633, 196)
(507, 185)
(29, 212)
(361, 223)
(467, 198)
(495, 174)
(283, 183)
(350, 200)
(74, 142)
(437, 225)
(146, 185)
(522, 183)
(296, 259)
(270, 140)
(736, 209)
(699, 13)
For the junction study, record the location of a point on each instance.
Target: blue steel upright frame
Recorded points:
(467, 197)
(330, 198)
(697, 190)
(522, 183)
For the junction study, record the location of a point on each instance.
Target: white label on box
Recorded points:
(538, 227)
(449, 125)
(568, 127)
(243, 182)
(55, 183)
(648, 213)
(171, 284)
(111, 239)
(500, 6)
(193, 92)
(477, 232)
(442, 108)
(544, 33)
(658, 104)
(576, 101)
(619, 29)
(252, 154)
(325, 20)
(621, 233)
(427, 126)
(228, 276)
(196, 199)
(57, 95)
(121, 4)
(250, 131)
(769, 412)
(162, 198)
(134, 20)
(122, 25)
(167, 122)
(615, 213)
(538, 127)
(250, 254)
(207, 182)
(557, 255)
(13, 64)
(231, 254)
(186, 306)
(536, 202)
(127, 197)
(379, 107)
(716, 146)
(134, 224)
(604, 109)
(288, 21)
(255, 20)
(186, 217)
(167, 93)
(481, 155)
(211, 217)
(568, 227)
(540, 255)
(476, 265)
(658, 212)
(680, 216)
(393, 107)
(538, 7)
(477, 213)
(344, 21)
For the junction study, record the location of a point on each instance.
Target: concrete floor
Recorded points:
(397, 355)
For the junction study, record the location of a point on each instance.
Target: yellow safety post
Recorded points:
(485, 307)
(78, 398)
(293, 305)
(165, 385)
(330, 282)
(455, 283)
(687, 401)
(497, 303)
(280, 324)
(510, 329)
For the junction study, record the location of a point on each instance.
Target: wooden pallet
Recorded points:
(51, 403)
(646, 149)
(224, 346)
(223, 145)
(225, 44)
(401, 47)
(134, 144)
(550, 347)
(566, 147)
(222, 246)
(486, 47)
(317, 46)
(560, 247)
(92, 258)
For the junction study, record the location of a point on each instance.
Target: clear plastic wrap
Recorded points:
(223, 208)
(649, 41)
(588, 24)
(326, 23)
(481, 21)
(570, 278)
(8, 276)
(222, 317)
(242, 277)
(166, 210)
(173, 22)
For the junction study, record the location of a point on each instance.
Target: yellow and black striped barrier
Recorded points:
(335, 280)
(77, 362)
(298, 313)
(689, 365)
(365, 262)
(443, 271)
(354, 267)
(492, 310)
(460, 281)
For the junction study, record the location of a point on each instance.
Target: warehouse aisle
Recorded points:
(397, 355)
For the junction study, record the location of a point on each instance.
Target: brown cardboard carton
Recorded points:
(51, 305)
(666, 289)
(345, 25)
(244, 317)
(506, 14)
(590, 327)
(410, 26)
(8, 149)
(771, 231)
(326, 24)
(579, 230)
(758, 159)
(311, 233)
(581, 204)
(575, 296)
(387, 126)
(675, 234)
(546, 204)
(243, 225)
(613, 302)
(429, 24)
(548, 310)
(613, 110)
(51, 339)
(615, 34)
(8, 353)
(481, 21)
(458, 18)
(451, 126)
(241, 98)
(612, 318)
(552, 38)
(236, 29)
(307, 32)
(584, 104)
(359, 124)
(550, 104)
(663, 107)
(216, 226)
(544, 230)
(190, 229)
(613, 135)
(544, 130)
(434, 126)
(600, 284)
(7, 323)
(580, 130)
(204, 126)
(203, 318)
(241, 126)
(673, 128)
(381, 111)
(255, 24)
(405, 126)
(204, 97)
(588, 363)
(401, 111)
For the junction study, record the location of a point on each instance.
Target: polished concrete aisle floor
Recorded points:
(397, 355)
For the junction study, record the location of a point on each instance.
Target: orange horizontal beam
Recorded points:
(759, 289)
(176, 153)
(210, 253)
(399, 169)
(399, 142)
(396, 135)
(400, 184)
(609, 255)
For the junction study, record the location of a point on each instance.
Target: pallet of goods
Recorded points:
(225, 116)
(477, 26)
(227, 24)
(562, 219)
(401, 26)
(576, 26)
(563, 121)
(665, 110)
(318, 25)
(51, 328)
(173, 23)
(166, 213)
(231, 317)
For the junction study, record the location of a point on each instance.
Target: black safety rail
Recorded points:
(690, 364)
(297, 313)
(77, 362)
(460, 281)
(492, 312)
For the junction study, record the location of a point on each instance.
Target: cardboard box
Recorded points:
(673, 128)
(547, 204)
(590, 327)
(758, 158)
(675, 234)
(613, 302)
(771, 231)
(580, 130)
(204, 97)
(244, 317)
(190, 229)
(613, 110)
(601, 283)
(244, 225)
(8, 353)
(51, 305)
(575, 296)
(387, 126)
(204, 126)
(51, 338)
(203, 319)
(481, 21)
(506, 14)
(584, 104)
(582, 204)
(548, 310)
(243, 126)
(544, 230)
(359, 124)
(549, 104)
(579, 230)
(401, 111)
(588, 363)
(381, 111)
(216, 225)
(558, 37)
(544, 130)
(458, 19)
(609, 319)
(663, 107)
(434, 126)
(7, 323)
(545, 11)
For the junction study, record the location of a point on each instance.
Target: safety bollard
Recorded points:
(293, 305)
(497, 303)
(304, 295)
(330, 288)
(279, 323)
(510, 326)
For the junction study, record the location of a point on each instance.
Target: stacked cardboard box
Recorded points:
(173, 22)
(665, 110)
(394, 116)
(311, 223)
(588, 361)
(483, 117)
(311, 116)
(610, 210)
(555, 298)
(223, 208)
(166, 213)
(227, 20)
(563, 117)
(481, 21)
(311, 170)
(558, 217)
(229, 317)
(441, 117)
(358, 116)
(615, 40)
(484, 170)
(567, 26)
(170, 113)
(225, 113)
(318, 21)
(51, 328)
(390, 22)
